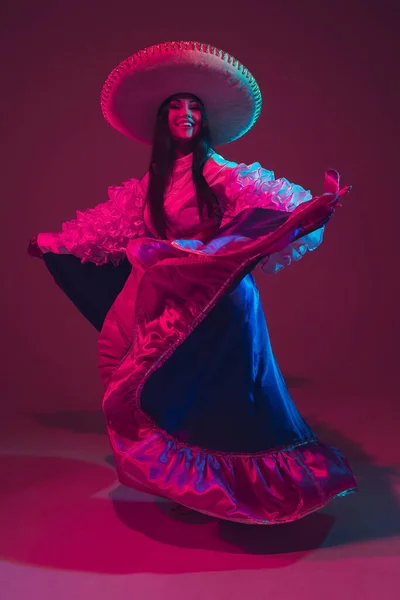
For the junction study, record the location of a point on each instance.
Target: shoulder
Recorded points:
(217, 166)
(218, 162)
(130, 189)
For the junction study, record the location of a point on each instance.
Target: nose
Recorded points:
(185, 109)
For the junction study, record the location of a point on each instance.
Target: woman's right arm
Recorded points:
(100, 234)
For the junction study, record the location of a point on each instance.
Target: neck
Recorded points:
(183, 149)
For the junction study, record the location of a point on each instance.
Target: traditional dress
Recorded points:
(196, 407)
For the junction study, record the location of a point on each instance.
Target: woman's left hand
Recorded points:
(320, 209)
(323, 207)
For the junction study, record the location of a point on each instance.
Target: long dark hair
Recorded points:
(161, 165)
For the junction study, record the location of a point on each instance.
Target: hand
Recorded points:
(33, 248)
(318, 211)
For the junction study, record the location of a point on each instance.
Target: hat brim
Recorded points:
(135, 90)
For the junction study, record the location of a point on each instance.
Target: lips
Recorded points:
(185, 124)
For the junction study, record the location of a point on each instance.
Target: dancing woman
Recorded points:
(196, 407)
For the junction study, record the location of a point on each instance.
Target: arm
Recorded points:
(248, 186)
(100, 234)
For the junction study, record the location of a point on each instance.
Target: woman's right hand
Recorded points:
(33, 248)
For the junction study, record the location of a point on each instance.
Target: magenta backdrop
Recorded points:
(329, 76)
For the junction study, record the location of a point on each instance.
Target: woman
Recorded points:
(196, 408)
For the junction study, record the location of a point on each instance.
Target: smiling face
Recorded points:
(184, 117)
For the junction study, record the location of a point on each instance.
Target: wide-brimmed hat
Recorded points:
(136, 88)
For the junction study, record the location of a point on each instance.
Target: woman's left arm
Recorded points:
(250, 186)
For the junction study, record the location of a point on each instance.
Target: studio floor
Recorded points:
(69, 531)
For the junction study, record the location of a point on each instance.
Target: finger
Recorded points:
(345, 191)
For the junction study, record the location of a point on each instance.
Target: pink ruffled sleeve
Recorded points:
(248, 186)
(101, 234)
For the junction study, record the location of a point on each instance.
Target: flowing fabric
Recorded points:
(196, 408)
(101, 234)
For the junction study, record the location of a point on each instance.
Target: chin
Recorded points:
(186, 137)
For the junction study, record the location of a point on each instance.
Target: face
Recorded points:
(184, 117)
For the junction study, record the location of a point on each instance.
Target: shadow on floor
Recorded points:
(373, 513)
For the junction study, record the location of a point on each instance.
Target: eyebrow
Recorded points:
(178, 100)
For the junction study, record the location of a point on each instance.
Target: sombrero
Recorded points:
(136, 88)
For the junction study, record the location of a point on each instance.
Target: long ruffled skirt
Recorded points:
(196, 407)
